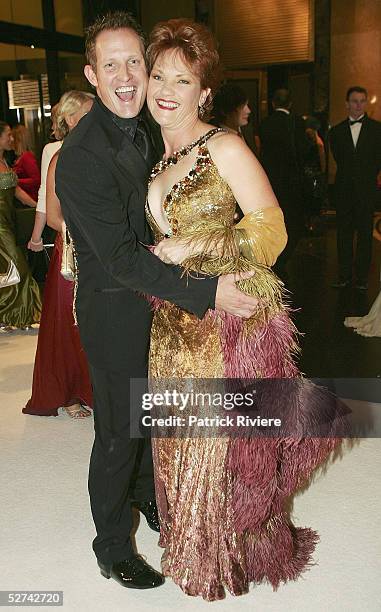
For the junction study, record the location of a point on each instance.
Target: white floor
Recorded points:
(46, 527)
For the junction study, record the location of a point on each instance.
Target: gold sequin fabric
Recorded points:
(203, 554)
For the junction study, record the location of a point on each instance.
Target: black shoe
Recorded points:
(341, 284)
(149, 509)
(133, 573)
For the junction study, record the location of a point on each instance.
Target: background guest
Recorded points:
(20, 304)
(314, 179)
(60, 376)
(356, 147)
(35, 243)
(25, 166)
(284, 143)
(231, 108)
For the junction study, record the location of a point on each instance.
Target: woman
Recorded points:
(26, 166)
(222, 502)
(20, 304)
(231, 108)
(60, 376)
(35, 242)
(314, 169)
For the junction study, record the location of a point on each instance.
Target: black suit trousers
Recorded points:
(353, 216)
(121, 467)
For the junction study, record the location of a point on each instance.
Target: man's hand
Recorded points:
(230, 299)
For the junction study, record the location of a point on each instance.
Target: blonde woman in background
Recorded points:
(60, 377)
(35, 242)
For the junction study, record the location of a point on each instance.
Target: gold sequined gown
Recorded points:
(20, 305)
(205, 551)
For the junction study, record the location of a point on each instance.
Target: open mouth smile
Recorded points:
(167, 104)
(126, 94)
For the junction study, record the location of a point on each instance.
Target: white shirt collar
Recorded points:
(358, 118)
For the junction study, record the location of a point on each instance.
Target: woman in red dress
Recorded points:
(60, 377)
(26, 166)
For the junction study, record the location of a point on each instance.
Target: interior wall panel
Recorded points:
(262, 32)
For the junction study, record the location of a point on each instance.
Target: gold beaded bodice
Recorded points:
(200, 196)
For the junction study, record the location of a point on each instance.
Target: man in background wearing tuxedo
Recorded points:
(283, 146)
(356, 147)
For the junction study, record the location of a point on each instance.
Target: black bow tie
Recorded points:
(352, 122)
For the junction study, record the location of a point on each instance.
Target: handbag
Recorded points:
(67, 263)
(11, 277)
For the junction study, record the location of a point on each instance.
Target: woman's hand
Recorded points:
(35, 244)
(174, 250)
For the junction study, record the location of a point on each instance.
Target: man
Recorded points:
(283, 144)
(356, 147)
(101, 181)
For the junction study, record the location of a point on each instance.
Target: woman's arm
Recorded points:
(54, 216)
(24, 197)
(35, 242)
(321, 151)
(27, 165)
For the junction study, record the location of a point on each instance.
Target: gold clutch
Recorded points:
(11, 277)
(67, 263)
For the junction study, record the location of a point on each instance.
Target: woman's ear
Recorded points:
(204, 96)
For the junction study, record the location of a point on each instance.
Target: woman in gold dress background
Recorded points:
(221, 502)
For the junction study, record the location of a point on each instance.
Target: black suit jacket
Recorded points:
(101, 181)
(357, 167)
(284, 145)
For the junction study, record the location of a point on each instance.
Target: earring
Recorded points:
(201, 109)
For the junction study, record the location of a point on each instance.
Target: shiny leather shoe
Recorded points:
(133, 573)
(149, 509)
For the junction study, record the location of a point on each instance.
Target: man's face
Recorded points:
(356, 104)
(120, 76)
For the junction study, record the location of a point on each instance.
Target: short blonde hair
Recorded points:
(22, 139)
(69, 103)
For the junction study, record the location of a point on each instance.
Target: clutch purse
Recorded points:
(67, 263)
(11, 277)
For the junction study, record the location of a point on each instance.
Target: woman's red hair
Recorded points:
(196, 44)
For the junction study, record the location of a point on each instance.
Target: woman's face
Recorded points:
(6, 139)
(74, 118)
(243, 114)
(174, 92)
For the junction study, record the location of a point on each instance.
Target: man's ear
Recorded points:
(90, 75)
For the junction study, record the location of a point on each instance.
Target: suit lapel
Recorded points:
(130, 161)
(347, 137)
(363, 135)
(122, 152)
